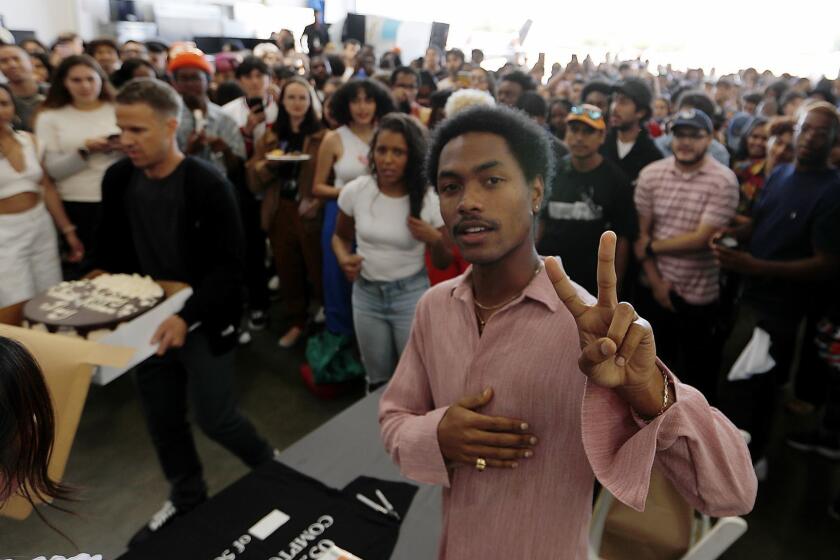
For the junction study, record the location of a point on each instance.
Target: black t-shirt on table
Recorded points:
(582, 206)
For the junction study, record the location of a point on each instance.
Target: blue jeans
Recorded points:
(382, 315)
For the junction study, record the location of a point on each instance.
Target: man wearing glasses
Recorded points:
(589, 196)
(683, 201)
(405, 83)
(789, 255)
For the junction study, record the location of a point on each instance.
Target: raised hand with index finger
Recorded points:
(618, 349)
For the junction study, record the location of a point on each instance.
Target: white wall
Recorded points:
(47, 18)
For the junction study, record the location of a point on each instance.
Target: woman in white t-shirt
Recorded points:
(393, 216)
(356, 106)
(77, 130)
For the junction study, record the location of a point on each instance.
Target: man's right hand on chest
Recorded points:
(465, 436)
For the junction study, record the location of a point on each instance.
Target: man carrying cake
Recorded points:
(173, 217)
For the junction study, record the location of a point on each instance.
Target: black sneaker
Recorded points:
(826, 446)
(257, 320)
(161, 519)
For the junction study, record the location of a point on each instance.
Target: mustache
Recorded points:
(471, 222)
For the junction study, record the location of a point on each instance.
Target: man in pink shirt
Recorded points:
(517, 387)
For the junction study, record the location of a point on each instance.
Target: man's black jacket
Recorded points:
(212, 239)
(643, 153)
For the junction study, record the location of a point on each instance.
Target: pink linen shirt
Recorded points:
(528, 354)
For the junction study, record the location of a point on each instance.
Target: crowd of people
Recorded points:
(313, 176)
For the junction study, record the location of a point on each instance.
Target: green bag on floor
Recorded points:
(331, 358)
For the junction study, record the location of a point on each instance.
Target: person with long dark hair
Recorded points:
(27, 431)
(290, 214)
(77, 130)
(393, 216)
(28, 247)
(41, 68)
(356, 106)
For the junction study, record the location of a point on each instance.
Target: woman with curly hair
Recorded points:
(356, 106)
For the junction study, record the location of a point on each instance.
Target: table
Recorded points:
(349, 446)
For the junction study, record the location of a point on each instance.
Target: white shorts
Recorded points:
(29, 261)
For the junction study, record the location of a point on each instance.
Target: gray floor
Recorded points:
(120, 483)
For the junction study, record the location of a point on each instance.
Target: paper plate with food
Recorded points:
(280, 155)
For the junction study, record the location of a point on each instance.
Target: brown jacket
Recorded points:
(262, 179)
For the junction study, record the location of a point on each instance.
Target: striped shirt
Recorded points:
(677, 203)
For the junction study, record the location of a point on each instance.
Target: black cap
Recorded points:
(595, 85)
(637, 90)
(694, 118)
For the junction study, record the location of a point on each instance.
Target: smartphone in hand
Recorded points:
(727, 242)
(255, 102)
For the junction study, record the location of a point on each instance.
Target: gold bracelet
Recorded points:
(67, 229)
(666, 381)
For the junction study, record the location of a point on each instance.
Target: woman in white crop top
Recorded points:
(77, 130)
(356, 106)
(393, 216)
(28, 246)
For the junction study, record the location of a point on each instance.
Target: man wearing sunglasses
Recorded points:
(589, 196)
(682, 202)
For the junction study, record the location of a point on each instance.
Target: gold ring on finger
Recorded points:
(480, 464)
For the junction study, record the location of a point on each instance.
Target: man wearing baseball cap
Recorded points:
(683, 201)
(628, 144)
(204, 131)
(589, 195)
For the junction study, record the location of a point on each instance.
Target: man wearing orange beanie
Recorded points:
(204, 131)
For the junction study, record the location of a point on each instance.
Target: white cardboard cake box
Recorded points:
(138, 332)
(70, 364)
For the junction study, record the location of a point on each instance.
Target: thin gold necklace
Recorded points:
(482, 322)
